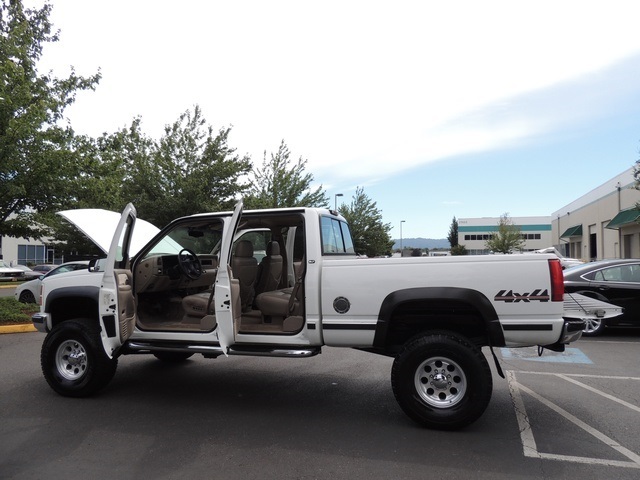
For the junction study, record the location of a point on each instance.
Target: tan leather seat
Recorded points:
(245, 269)
(286, 302)
(270, 270)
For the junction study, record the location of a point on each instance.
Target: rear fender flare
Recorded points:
(467, 296)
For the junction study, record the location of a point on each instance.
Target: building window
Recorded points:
(31, 254)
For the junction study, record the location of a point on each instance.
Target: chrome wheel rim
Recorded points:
(71, 360)
(440, 382)
(593, 325)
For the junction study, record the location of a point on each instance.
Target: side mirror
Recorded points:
(97, 265)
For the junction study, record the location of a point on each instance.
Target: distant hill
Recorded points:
(422, 243)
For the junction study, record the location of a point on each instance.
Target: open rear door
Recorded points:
(227, 290)
(117, 303)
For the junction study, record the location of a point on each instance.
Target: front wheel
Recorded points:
(73, 360)
(441, 381)
(26, 296)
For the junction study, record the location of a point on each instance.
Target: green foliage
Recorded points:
(37, 158)
(370, 234)
(13, 312)
(459, 250)
(453, 233)
(508, 237)
(189, 170)
(281, 183)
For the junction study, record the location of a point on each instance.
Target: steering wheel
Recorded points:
(189, 264)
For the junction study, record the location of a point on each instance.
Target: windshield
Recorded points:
(201, 238)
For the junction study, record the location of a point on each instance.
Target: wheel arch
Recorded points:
(67, 303)
(408, 312)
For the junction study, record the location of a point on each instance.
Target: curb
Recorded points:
(18, 328)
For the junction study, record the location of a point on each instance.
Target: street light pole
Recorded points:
(335, 207)
(401, 222)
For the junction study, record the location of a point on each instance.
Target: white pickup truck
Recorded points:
(284, 283)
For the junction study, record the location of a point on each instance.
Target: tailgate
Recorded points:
(581, 306)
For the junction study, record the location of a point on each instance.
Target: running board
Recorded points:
(216, 350)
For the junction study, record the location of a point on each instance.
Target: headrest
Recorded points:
(273, 248)
(244, 248)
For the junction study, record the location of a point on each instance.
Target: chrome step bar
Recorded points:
(216, 350)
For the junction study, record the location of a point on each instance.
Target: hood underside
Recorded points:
(100, 225)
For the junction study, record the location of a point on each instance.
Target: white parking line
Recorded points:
(526, 433)
(599, 392)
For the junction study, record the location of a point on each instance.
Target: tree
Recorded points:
(453, 233)
(370, 234)
(459, 250)
(283, 183)
(189, 170)
(37, 157)
(507, 238)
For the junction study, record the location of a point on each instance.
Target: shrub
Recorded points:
(12, 311)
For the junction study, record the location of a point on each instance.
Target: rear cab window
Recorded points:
(336, 237)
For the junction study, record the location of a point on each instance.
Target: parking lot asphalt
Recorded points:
(581, 407)
(570, 415)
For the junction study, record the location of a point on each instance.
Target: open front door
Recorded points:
(227, 290)
(116, 303)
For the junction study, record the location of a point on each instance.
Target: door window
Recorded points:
(621, 273)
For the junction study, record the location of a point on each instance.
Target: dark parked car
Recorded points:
(612, 281)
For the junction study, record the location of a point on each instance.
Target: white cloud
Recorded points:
(360, 89)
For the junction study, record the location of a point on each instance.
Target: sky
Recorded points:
(436, 109)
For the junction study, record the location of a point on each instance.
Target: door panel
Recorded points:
(116, 294)
(227, 293)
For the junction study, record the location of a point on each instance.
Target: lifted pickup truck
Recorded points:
(286, 282)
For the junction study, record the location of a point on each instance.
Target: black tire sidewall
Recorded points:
(100, 368)
(27, 297)
(471, 361)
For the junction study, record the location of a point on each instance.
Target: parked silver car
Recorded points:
(9, 273)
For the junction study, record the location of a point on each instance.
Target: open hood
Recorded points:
(100, 225)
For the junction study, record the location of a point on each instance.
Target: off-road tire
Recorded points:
(442, 381)
(73, 360)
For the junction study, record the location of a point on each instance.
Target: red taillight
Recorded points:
(557, 280)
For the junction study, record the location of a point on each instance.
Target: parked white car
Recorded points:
(564, 261)
(29, 292)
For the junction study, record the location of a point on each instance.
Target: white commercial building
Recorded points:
(21, 251)
(473, 233)
(602, 223)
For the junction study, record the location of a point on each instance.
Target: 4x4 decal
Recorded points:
(512, 297)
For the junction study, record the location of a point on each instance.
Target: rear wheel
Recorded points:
(73, 360)
(442, 381)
